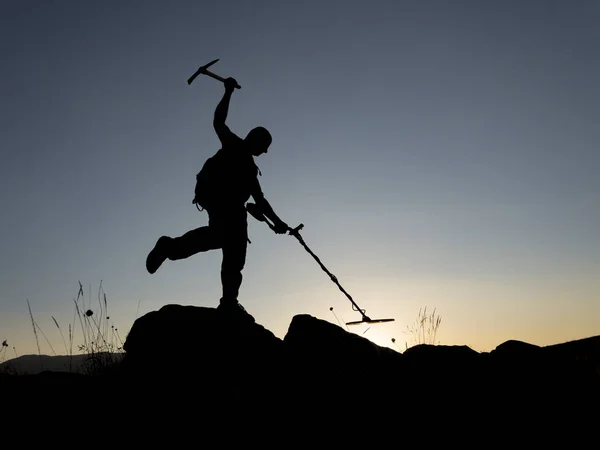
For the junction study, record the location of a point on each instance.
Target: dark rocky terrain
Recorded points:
(193, 357)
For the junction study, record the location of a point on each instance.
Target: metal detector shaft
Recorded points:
(296, 233)
(258, 215)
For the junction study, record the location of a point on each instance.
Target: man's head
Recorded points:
(259, 139)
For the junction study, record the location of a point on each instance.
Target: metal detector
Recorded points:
(255, 212)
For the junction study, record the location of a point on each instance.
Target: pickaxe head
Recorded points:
(203, 68)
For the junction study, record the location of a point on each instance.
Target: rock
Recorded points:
(321, 352)
(195, 343)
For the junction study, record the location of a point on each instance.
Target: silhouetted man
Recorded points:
(224, 185)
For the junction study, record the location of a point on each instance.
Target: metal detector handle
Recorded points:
(294, 231)
(255, 212)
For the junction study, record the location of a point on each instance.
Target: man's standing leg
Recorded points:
(235, 243)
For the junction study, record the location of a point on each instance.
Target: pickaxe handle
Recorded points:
(204, 71)
(217, 77)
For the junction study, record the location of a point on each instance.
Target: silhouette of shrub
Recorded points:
(425, 328)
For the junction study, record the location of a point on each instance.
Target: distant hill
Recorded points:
(35, 364)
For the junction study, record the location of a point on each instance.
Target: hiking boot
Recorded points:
(232, 309)
(158, 254)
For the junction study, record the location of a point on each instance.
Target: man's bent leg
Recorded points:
(158, 254)
(194, 241)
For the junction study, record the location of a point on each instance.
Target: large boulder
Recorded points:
(199, 344)
(320, 351)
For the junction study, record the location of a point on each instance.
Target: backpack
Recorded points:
(205, 181)
(209, 188)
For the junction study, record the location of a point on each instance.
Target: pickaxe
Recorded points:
(204, 70)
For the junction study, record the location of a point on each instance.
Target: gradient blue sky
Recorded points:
(439, 153)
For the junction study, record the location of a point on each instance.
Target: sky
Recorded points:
(439, 154)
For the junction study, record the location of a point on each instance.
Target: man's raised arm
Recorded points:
(221, 111)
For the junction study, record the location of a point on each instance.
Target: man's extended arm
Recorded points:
(265, 207)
